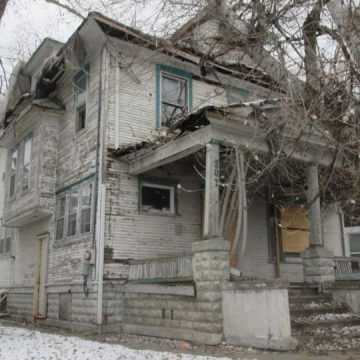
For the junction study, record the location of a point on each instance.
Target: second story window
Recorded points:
(81, 85)
(27, 163)
(174, 94)
(74, 211)
(13, 169)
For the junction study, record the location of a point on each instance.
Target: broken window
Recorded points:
(74, 207)
(5, 240)
(174, 94)
(26, 163)
(13, 168)
(81, 85)
(156, 198)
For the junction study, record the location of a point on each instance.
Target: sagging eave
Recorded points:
(229, 132)
(31, 111)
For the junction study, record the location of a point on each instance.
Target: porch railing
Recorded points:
(174, 268)
(347, 268)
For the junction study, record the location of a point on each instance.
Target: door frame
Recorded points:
(40, 276)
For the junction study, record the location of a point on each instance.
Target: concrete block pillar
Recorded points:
(318, 265)
(211, 266)
(317, 260)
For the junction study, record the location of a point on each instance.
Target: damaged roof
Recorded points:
(196, 120)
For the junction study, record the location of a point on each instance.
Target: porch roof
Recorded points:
(229, 125)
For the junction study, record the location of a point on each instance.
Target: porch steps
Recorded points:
(319, 323)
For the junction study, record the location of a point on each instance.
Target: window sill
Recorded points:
(158, 214)
(79, 133)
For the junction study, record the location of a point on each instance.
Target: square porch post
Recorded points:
(211, 207)
(318, 261)
(211, 264)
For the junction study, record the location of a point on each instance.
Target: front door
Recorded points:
(41, 264)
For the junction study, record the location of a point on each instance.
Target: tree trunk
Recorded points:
(3, 4)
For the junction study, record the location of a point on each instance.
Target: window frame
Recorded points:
(13, 171)
(27, 165)
(155, 185)
(81, 98)
(66, 194)
(4, 238)
(174, 73)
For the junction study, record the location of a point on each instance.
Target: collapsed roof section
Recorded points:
(52, 58)
(238, 125)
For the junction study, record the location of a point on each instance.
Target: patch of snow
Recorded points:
(331, 316)
(26, 344)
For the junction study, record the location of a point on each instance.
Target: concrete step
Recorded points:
(307, 299)
(302, 290)
(304, 310)
(333, 321)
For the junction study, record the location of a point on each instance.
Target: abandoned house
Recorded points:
(125, 200)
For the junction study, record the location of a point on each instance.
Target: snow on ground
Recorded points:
(26, 344)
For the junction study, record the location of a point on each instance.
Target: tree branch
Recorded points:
(66, 7)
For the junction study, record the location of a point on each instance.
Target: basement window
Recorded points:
(157, 199)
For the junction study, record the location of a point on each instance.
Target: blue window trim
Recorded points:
(175, 72)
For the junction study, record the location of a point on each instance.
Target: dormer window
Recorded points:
(81, 85)
(174, 94)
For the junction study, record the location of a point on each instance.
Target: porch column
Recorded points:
(316, 230)
(211, 206)
(318, 261)
(211, 263)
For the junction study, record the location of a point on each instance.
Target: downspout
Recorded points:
(117, 105)
(100, 198)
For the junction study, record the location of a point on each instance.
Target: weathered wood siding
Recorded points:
(129, 233)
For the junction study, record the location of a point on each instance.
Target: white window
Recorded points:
(27, 163)
(13, 169)
(60, 217)
(81, 85)
(156, 198)
(85, 214)
(5, 240)
(174, 97)
(74, 211)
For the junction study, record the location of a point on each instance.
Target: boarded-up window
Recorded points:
(295, 229)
